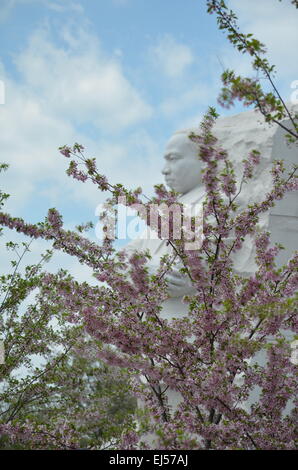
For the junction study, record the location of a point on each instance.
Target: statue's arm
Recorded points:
(178, 284)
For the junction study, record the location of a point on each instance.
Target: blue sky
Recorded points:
(118, 76)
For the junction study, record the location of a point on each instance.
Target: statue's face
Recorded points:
(182, 169)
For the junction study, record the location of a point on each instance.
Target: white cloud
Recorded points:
(80, 81)
(62, 91)
(63, 5)
(56, 5)
(171, 57)
(196, 96)
(275, 24)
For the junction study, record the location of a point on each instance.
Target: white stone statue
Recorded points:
(182, 171)
(238, 134)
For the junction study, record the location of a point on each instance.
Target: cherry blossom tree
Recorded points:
(54, 392)
(231, 318)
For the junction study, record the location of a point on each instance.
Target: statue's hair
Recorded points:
(239, 135)
(247, 191)
(186, 132)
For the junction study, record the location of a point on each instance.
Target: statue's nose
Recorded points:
(165, 170)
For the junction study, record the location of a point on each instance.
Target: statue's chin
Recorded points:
(173, 187)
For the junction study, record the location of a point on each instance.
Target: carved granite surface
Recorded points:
(238, 134)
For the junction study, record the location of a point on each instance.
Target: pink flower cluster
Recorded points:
(230, 318)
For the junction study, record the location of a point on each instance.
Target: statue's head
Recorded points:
(182, 169)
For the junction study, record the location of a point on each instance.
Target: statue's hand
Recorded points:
(178, 284)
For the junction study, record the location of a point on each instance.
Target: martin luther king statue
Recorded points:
(238, 134)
